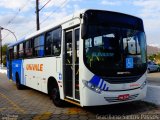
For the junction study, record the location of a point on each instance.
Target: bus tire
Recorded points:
(18, 84)
(55, 96)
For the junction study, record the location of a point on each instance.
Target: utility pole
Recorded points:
(37, 14)
(1, 43)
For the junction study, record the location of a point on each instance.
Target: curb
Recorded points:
(153, 94)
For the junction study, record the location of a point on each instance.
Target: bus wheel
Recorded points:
(55, 96)
(18, 84)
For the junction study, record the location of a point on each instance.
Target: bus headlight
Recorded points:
(143, 84)
(92, 87)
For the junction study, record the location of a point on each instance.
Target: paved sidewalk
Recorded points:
(154, 78)
(3, 70)
(30, 104)
(153, 94)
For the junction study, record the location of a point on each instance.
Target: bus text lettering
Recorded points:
(34, 67)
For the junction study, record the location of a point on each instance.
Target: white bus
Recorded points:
(92, 58)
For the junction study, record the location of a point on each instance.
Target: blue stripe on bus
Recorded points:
(17, 67)
(95, 80)
(99, 82)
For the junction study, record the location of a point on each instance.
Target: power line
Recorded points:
(45, 18)
(19, 10)
(37, 12)
(53, 11)
(45, 5)
(11, 20)
(6, 36)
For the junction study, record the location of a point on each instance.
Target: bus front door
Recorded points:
(71, 70)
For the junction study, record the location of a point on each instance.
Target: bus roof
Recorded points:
(53, 25)
(62, 21)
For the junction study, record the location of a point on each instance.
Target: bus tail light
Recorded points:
(92, 87)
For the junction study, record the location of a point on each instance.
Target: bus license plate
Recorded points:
(123, 97)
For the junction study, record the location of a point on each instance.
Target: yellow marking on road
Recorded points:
(44, 116)
(1, 109)
(15, 106)
(73, 111)
(10, 108)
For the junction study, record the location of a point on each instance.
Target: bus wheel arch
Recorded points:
(18, 83)
(53, 92)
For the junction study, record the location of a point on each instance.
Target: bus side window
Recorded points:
(10, 54)
(77, 45)
(53, 42)
(57, 41)
(48, 43)
(21, 50)
(39, 46)
(28, 48)
(15, 52)
(69, 47)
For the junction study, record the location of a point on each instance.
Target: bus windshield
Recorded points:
(115, 51)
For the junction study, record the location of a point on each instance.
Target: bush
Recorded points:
(4, 61)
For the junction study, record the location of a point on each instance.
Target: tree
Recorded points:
(4, 54)
(4, 49)
(155, 58)
(152, 57)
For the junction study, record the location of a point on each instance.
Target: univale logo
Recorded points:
(34, 67)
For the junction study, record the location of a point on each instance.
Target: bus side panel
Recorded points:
(17, 68)
(37, 71)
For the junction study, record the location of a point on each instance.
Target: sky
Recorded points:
(19, 15)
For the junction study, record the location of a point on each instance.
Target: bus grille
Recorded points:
(115, 99)
(119, 80)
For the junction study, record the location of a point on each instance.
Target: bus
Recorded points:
(91, 58)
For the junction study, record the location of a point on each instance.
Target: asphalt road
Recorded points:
(154, 78)
(30, 104)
